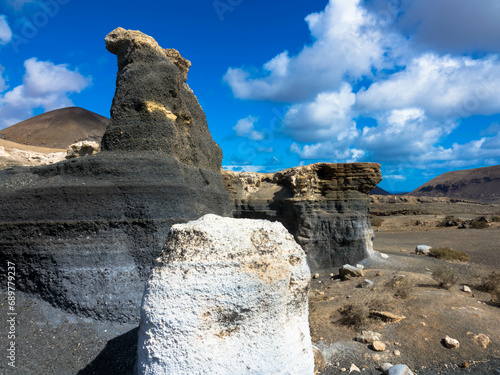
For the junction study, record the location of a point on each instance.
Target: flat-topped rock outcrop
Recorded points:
(325, 206)
(227, 296)
(84, 232)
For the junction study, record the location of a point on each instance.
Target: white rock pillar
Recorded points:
(227, 296)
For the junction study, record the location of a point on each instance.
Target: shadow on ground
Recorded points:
(118, 356)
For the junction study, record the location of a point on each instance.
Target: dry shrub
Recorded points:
(447, 253)
(401, 286)
(449, 221)
(480, 222)
(445, 277)
(357, 313)
(376, 221)
(491, 284)
(495, 219)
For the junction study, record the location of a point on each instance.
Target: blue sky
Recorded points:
(411, 84)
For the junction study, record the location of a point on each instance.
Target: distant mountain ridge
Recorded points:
(379, 191)
(58, 129)
(480, 184)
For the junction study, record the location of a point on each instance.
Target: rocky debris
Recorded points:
(450, 343)
(13, 156)
(365, 284)
(319, 360)
(423, 250)
(83, 148)
(354, 368)
(347, 271)
(385, 366)
(367, 337)
(227, 296)
(378, 346)
(387, 316)
(466, 289)
(482, 340)
(360, 266)
(324, 206)
(84, 233)
(399, 370)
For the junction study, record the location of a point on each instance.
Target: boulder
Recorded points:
(84, 233)
(348, 271)
(482, 340)
(227, 296)
(451, 343)
(325, 207)
(83, 148)
(367, 337)
(378, 346)
(365, 284)
(423, 250)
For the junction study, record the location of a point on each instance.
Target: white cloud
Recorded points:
(245, 128)
(331, 151)
(45, 85)
(453, 26)
(443, 86)
(5, 31)
(346, 42)
(329, 116)
(3, 84)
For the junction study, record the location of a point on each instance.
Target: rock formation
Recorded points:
(83, 148)
(84, 232)
(227, 296)
(325, 206)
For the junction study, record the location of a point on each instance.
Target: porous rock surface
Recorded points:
(325, 206)
(227, 296)
(84, 233)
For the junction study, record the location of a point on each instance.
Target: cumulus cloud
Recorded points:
(45, 85)
(329, 116)
(346, 42)
(443, 86)
(452, 26)
(5, 31)
(245, 128)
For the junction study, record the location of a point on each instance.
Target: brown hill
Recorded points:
(379, 191)
(58, 129)
(480, 184)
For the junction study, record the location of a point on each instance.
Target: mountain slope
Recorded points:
(379, 191)
(481, 184)
(58, 128)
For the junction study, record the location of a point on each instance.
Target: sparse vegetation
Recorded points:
(480, 222)
(491, 284)
(449, 221)
(357, 314)
(445, 277)
(376, 221)
(447, 253)
(401, 286)
(495, 219)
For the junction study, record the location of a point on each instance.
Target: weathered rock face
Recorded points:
(325, 206)
(228, 296)
(83, 148)
(84, 232)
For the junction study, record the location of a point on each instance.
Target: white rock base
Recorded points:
(228, 296)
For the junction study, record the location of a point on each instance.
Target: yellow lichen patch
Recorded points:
(152, 106)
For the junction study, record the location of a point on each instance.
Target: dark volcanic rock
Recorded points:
(325, 206)
(84, 233)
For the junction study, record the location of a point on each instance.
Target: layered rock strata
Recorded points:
(325, 206)
(83, 233)
(227, 296)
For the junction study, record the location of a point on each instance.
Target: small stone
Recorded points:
(399, 370)
(354, 368)
(385, 256)
(316, 275)
(397, 352)
(482, 340)
(378, 346)
(319, 360)
(466, 289)
(360, 266)
(343, 369)
(465, 364)
(451, 343)
(332, 275)
(367, 337)
(385, 366)
(349, 271)
(365, 284)
(387, 316)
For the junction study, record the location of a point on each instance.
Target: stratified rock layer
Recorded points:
(228, 296)
(325, 206)
(84, 233)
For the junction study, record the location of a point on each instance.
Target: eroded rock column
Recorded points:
(227, 296)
